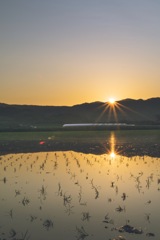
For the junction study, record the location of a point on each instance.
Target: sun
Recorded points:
(112, 101)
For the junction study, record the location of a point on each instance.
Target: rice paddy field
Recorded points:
(68, 194)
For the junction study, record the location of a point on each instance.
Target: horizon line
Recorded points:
(39, 105)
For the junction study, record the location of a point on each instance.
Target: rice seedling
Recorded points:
(69, 209)
(124, 196)
(25, 201)
(33, 218)
(67, 199)
(43, 192)
(81, 233)
(47, 224)
(85, 216)
(95, 189)
(17, 192)
(120, 209)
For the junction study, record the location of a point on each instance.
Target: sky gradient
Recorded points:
(66, 52)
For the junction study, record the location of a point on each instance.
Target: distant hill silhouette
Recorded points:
(125, 111)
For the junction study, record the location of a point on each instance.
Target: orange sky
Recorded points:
(69, 52)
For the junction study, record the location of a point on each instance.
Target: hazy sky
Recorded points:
(65, 52)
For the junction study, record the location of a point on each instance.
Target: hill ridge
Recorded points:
(34, 105)
(13, 116)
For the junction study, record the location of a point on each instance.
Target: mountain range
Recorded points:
(125, 111)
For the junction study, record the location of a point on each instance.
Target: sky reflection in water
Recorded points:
(69, 195)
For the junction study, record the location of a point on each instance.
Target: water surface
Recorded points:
(74, 195)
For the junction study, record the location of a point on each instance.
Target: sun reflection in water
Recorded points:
(112, 152)
(112, 155)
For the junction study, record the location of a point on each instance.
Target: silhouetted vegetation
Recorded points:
(34, 118)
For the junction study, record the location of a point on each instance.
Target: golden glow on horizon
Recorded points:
(112, 107)
(73, 64)
(112, 101)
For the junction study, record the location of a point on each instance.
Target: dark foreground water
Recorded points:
(73, 195)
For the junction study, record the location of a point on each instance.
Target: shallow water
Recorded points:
(69, 195)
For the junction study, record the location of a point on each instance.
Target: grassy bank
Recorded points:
(51, 135)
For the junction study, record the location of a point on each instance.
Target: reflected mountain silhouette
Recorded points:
(136, 145)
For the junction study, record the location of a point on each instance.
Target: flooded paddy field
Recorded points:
(68, 194)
